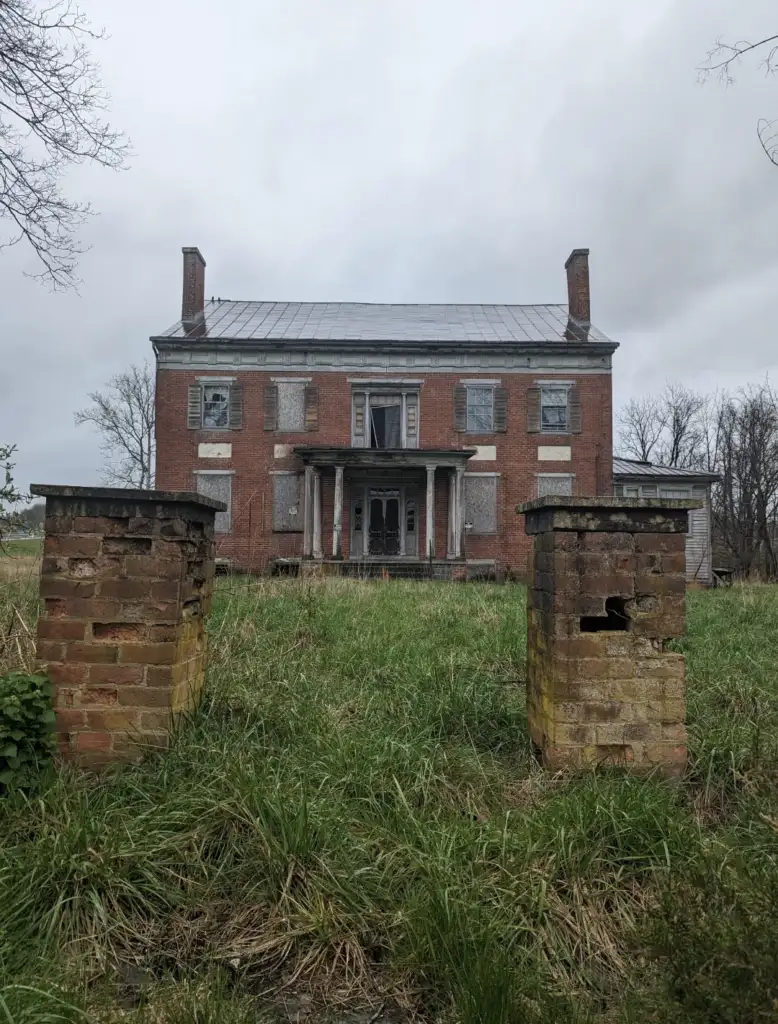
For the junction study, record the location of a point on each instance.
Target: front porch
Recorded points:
(384, 504)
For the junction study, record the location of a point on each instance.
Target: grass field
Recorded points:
(352, 829)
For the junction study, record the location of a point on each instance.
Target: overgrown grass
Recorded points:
(352, 827)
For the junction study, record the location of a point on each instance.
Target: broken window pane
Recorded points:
(216, 406)
(385, 421)
(553, 410)
(480, 410)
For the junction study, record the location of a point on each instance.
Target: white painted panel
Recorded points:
(554, 453)
(282, 451)
(214, 451)
(485, 453)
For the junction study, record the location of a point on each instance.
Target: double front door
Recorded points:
(384, 523)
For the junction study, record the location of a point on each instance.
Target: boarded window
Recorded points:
(481, 503)
(291, 405)
(288, 502)
(218, 486)
(554, 483)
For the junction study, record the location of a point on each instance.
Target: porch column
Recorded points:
(317, 551)
(430, 546)
(460, 512)
(308, 513)
(452, 515)
(337, 515)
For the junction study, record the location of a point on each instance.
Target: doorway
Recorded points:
(383, 534)
(384, 523)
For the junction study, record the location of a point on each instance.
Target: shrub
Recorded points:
(26, 728)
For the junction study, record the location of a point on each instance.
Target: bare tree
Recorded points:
(681, 437)
(640, 425)
(51, 101)
(9, 495)
(124, 417)
(745, 502)
(721, 61)
(668, 429)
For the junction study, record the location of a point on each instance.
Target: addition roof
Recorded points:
(235, 322)
(634, 468)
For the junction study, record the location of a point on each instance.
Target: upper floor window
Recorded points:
(554, 408)
(383, 418)
(480, 408)
(215, 405)
(291, 406)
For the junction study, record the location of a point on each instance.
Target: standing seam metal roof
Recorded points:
(632, 467)
(227, 320)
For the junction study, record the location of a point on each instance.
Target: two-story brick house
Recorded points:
(381, 435)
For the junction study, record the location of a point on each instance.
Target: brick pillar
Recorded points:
(607, 591)
(126, 580)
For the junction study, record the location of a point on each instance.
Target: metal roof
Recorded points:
(635, 468)
(227, 320)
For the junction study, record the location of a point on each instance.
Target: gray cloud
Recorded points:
(434, 152)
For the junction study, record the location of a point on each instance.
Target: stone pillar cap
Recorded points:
(606, 514)
(125, 494)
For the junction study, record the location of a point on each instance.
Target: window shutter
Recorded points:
(460, 408)
(236, 407)
(412, 420)
(500, 410)
(311, 407)
(359, 419)
(533, 411)
(574, 414)
(271, 407)
(194, 411)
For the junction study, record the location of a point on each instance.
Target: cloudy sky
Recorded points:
(391, 150)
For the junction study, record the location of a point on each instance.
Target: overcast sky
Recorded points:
(392, 150)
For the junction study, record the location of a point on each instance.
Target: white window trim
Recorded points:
(555, 383)
(500, 474)
(216, 380)
(390, 381)
(291, 380)
(570, 475)
(403, 390)
(485, 385)
(474, 382)
(560, 385)
(214, 472)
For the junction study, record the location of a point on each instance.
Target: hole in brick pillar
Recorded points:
(191, 608)
(127, 545)
(615, 617)
(114, 631)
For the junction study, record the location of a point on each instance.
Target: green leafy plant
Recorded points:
(26, 728)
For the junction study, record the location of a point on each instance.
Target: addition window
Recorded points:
(554, 417)
(480, 410)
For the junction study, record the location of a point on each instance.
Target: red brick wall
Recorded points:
(252, 542)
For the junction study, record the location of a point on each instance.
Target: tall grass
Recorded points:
(352, 826)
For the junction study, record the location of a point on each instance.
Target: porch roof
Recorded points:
(374, 458)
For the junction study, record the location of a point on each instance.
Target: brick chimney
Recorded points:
(578, 301)
(193, 300)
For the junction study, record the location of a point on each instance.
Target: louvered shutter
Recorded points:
(533, 410)
(271, 407)
(236, 407)
(358, 433)
(311, 407)
(194, 411)
(574, 413)
(412, 421)
(460, 408)
(500, 410)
